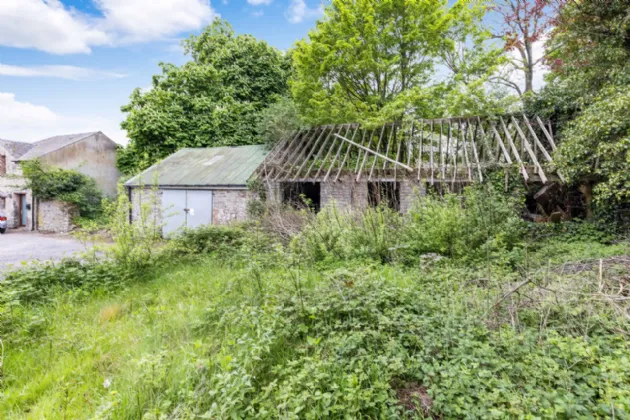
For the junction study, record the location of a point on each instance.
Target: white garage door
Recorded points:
(185, 209)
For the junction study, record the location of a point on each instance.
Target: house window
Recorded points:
(301, 195)
(384, 193)
(3, 165)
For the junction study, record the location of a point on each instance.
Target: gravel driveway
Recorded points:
(17, 246)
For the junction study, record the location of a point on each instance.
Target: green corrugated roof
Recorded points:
(216, 166)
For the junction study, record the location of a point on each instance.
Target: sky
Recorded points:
(67, 66)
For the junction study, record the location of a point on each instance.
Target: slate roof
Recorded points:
(207, 167)
(15, 148)
(43, 147)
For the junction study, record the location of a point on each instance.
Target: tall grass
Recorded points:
(346, 322)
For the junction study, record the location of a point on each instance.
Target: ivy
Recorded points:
(70, 186)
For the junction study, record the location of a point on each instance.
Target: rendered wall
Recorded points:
(94, 156)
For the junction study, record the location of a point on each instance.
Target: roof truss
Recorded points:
(440, 150)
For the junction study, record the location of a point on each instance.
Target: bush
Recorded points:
(475, 225)
(339, 235)
(63, 185)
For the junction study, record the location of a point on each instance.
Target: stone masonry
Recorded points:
(56, 216)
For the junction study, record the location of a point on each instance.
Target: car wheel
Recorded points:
(2, 230)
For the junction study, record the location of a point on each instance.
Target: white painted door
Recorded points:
(185, 209)
(199, 208)
(173, 211)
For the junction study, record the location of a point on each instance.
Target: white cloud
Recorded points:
(48, 25)
(298, 11)
(259, 2)
(59, 72)
(144, 20)
(23, 121)
(258, 13)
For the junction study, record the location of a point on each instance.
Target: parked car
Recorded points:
(3, 216)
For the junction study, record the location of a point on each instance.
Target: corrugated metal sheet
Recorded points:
(216, 166)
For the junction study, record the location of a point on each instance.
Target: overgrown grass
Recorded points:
(352, 321)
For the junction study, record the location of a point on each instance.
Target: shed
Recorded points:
(196, 186)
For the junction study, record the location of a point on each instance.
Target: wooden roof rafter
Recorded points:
(434, 150)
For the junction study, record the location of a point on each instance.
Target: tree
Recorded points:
(373, 61)
(279, 120)
(588, 95)
(365, 55)
(213, 100)
(523, 24)
(472, 62)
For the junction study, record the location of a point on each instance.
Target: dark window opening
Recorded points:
(302, 195)
(384, 193)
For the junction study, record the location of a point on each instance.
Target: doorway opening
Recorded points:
(384, 194)
(300, 195)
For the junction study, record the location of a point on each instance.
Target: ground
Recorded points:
(17, 246)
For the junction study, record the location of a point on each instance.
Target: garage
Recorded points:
(196, 187)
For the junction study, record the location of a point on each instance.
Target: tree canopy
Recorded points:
(371, 60)
(587, 95)
(216, 99)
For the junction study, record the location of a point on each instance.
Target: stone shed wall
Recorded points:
(229, 206)
(150, 197)
(56, 216)
(348, 194)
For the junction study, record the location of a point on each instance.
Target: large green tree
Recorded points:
(374, 60)
(588, 95)
(216, 99)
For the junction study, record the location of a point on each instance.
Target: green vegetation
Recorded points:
(216, 99)
(63, 185)
(357, 317)
(373, 61)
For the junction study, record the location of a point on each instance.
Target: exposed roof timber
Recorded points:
(437, 150)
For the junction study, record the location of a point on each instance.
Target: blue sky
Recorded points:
(68, 65)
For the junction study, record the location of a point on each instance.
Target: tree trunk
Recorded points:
(587, 190)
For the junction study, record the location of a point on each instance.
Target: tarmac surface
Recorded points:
(18, 247)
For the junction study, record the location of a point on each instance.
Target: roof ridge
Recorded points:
(84, 135)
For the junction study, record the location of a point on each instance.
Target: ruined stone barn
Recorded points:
(357, 167)
(195, 187)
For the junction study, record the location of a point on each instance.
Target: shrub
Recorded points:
(336, 234)
(63, 185)
(475, 224)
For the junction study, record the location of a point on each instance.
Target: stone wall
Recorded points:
(409, 192)
(348, 194)
(56, 216)
(229, 206)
